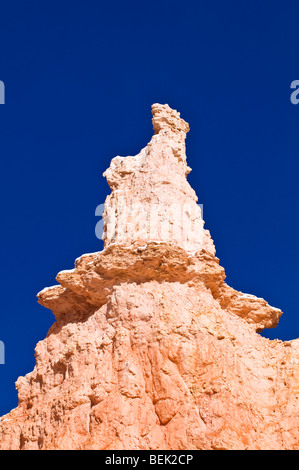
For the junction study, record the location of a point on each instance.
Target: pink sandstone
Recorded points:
(151, 349)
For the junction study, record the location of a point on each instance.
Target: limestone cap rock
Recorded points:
(165, 118)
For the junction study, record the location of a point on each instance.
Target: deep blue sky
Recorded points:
(80, 79)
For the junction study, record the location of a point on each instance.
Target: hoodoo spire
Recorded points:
(151, 349)
(151, 199)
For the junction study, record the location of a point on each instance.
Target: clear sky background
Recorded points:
(80, 78)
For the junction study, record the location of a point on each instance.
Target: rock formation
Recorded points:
(151, 349)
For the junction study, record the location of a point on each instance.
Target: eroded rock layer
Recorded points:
(151, 349)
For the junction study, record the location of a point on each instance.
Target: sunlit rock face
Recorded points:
(151, 349)
(151, 198)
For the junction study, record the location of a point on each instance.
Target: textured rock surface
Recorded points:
(151, 349)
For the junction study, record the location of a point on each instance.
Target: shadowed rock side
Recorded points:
(151, 349)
